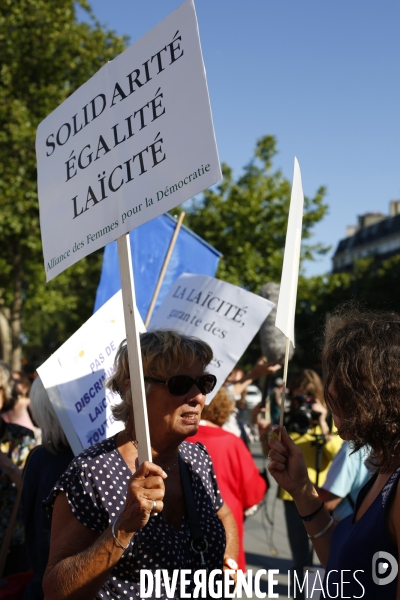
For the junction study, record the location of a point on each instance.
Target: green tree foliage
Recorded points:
(316, 299)
(372, 284)
(45, 55)
(246, 220)
(377, 283)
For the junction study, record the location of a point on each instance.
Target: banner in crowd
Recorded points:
(149, 244)
(74, 376)
(223, 315)
(131, 143)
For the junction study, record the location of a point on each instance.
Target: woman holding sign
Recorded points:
(361, 364)
(114, 521)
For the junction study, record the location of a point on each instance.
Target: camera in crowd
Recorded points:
(299, 414)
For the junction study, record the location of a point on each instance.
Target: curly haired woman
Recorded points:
(361, 362)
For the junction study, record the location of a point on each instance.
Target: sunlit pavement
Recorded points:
(267, 547)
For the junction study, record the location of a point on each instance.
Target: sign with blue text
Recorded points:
(75, 374)
(131, 143)
(223, 315)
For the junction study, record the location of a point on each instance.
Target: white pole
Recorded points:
(164, 268)
(285, 370)
(134, 353)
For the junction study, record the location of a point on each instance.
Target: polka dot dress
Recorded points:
(95, 484)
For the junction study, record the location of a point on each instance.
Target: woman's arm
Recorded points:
(231, 532)
(80, 560)
(232, 538)
(255, 412)
(394, 527)
(260, 368)
(257, 417)
(289, 470)
(322, 414)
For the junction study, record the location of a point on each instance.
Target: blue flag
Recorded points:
(149, 247)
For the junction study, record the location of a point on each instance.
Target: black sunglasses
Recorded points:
(179, 385)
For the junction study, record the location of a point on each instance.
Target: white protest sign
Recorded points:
(74, 376)
(131, 143)
(286, 309)
(285, 313)
(223, 315)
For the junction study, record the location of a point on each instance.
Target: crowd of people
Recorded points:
(16, 442)
(87, 525)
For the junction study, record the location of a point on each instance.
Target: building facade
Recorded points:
(376, 235)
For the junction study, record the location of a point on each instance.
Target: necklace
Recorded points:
(168, 469)
(134, 442)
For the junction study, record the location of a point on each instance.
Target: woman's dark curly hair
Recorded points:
(361, 365)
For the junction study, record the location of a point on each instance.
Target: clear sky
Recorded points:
(321, 75)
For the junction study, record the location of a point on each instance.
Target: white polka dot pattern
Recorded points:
(95, 485)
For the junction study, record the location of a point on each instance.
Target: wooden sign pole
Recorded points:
(285, 372)
(164, 268)
(134, 352)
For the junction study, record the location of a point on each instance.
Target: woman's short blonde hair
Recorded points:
(219, 408)
(164, 353)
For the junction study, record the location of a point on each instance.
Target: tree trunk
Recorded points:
(5, 335)
(16, 313)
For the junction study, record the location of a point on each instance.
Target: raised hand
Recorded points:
(145, 488)
(287, 465)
